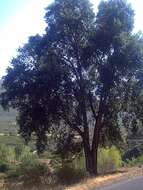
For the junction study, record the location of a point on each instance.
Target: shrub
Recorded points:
(11, 154)
(109, 160)
(13, 172)
(79, 161)
(4, 167)
(140, 159)
(3, 153)
(68, 174)
(18, 150)
(33, 167)
(130, 162)
(116, 159)
(29, 168)
(7, 153)
(29, 165)
(134, 161)
(131, 154)
(25, 155)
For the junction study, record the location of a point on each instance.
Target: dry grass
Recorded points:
(87, 184)
(108, 179)
(95, 182)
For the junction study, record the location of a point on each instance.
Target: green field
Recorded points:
(8, 127)
(11, 140)
(8, 121)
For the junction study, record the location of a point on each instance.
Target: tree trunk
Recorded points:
(91, 161)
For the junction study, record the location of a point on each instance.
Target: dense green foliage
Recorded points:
(109, 160)
(68, 174)
(30, 169)
(76, 75)
(7, 154)
(4, 167)
(20, 161)
(26, 167)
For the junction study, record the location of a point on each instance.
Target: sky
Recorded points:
(20, 19)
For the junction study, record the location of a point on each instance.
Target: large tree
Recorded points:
(76, 74)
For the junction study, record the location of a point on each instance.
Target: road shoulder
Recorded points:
(101, 181)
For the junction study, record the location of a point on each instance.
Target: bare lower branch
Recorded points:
(91, 106)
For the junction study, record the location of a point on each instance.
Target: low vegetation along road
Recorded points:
(134, 184)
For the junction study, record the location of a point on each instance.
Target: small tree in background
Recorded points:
(76, 74)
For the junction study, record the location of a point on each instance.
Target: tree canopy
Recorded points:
(76, 74)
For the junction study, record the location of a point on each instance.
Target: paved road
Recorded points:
(134, 184)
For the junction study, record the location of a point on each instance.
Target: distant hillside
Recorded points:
(7, 119)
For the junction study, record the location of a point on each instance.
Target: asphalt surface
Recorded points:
(134, 184)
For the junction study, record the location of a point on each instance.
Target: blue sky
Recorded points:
(22, 18)
(7, 8)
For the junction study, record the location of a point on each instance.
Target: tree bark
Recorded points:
(91, 159)
(91, 155)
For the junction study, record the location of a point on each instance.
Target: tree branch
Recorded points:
(74, 126)
(91, 105)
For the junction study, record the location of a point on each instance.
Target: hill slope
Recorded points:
(7, 119)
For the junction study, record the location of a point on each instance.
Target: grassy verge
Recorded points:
(21, 169)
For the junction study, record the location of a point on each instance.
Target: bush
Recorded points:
(79, 162)
(7, 154)
(130, 162)
(140, 159)
(25, 155)
(68, 174)
(33, 168)
(13, 172)
(4, 167)
(131, 154)
(18, 151)
(29, 168)
(109, 160)
(28, 164)
(134, 161)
